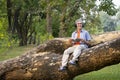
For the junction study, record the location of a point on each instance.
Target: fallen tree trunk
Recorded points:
(58, 45)
(40, 65)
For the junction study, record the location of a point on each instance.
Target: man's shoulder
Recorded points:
(84, 30)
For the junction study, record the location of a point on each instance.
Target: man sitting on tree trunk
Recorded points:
(80, 40)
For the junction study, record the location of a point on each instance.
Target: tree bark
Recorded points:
(42, 62)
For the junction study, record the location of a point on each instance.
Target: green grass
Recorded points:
(7, 53)
(107, 73)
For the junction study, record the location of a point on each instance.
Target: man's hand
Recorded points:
(77, 40)
(84, 41)
(80, 39)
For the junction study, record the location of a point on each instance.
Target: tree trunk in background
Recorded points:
(67, 17)
(20, 23)
(34, 40)
(62, 29)
(32, 37)
(49, 18)
(42, 62)
(9, 13)
(21, 26)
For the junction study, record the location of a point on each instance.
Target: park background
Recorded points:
(26, 24)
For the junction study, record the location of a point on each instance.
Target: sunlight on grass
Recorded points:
(7, 53)
(107, 73)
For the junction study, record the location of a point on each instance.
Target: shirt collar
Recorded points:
(81, 30)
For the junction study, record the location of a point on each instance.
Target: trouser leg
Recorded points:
(77, 52)
(66, 55)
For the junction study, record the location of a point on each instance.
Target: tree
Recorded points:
(21, 15)
(108, 22)
(39, 64)
(49, 17)
(9, 13)
(107, 6)
(87, 8)
(20, 19)
(118, 19)
(4, 36)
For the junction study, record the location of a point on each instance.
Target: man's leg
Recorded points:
(77, 52)
(66, 55)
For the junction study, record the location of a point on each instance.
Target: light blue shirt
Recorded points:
(83, 35)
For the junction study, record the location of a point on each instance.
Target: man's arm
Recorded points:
(86, 42)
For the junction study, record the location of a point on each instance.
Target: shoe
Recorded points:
(62, 68)
(72, 62)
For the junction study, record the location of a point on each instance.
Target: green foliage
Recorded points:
(40, 28)
(118, 19)
(2, 8)
(55, 25)
(118, 27)
(108, 23)
(108, 6)
(45, 37)
(61, 11)
(3, 35)
(118, 15)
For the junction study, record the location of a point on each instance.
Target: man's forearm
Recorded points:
(87, 42)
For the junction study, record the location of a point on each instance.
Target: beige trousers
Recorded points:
(76, 50)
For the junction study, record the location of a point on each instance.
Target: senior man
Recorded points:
(80, 39)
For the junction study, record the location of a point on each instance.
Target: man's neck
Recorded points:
(79, 30)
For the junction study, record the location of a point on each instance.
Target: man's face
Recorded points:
(79, 25)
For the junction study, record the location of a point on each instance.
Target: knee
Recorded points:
(79, 47)
(66, 52)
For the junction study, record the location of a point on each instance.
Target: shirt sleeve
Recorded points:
(88, 37)
(73, 35)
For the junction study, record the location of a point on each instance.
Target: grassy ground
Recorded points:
(7, 53)
(107, 73)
